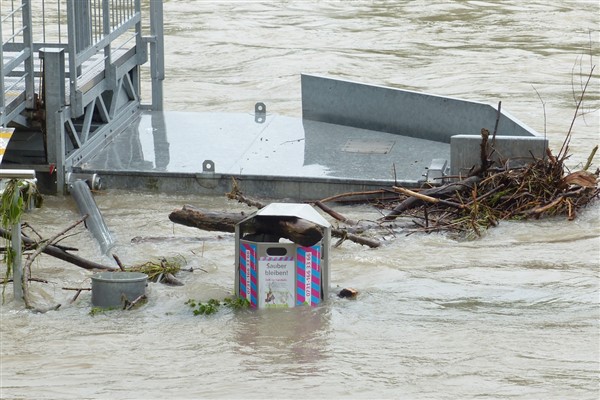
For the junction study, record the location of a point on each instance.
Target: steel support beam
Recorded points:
(54, 87)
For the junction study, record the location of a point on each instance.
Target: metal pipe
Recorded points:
(17, 174)
(94, 181)
(94, 222)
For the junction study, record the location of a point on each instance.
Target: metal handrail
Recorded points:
(112, 26)
(17, 30)
(14, 35)
(21, 80)
(101, 19)
(10, 14)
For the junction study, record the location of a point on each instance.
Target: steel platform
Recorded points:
(352, 137)
(271, 156)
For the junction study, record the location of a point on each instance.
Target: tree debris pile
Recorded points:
(466, 207)
(544, 187)
(539, 189)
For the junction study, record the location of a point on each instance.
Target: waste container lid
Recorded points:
(299, 210)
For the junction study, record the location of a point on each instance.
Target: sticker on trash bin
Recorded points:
(276, 282)
(308, 276)
(248, 273)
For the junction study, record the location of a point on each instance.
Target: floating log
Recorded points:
(343, 234)
(298, 230)
(206, 220)
(170, 279)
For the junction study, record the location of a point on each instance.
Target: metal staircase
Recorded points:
(70, 73)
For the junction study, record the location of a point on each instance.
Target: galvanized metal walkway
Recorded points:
(278, 157)
(351, 137)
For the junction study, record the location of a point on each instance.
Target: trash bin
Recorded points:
(111, 289)
(283, 256)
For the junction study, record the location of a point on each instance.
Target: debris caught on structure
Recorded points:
(348, 293)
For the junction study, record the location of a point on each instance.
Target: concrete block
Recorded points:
(465, 151)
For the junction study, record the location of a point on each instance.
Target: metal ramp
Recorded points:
(70, 77)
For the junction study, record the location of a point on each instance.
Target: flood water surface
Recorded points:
(513, 314)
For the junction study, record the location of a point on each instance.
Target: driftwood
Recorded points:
(206, 220)
(300, 231)
(335, 214)
(433, 195)
(58, 252)
(78, 292)
(30, 279)
(414, 201)
(348, 293)
(346, 234)
(170, 279)
(128, 305)
(342, 234)
(118, 261)
(31, 257)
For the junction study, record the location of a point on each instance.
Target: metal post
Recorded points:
(17, 264)
(2, 100)
(157, 54)
(141, 50)
(82, 194)
(161, 142)
(74, 69)
(106, 22)
(83, 25)
(54, 88)
(59, 127)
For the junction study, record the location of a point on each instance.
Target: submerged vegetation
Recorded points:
(17, 196)
(213, 305)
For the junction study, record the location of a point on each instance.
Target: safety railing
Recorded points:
(16, 61)
(100, 38)
(75, 67)
(104, 36)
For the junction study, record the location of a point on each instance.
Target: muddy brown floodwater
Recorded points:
(514, 314)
